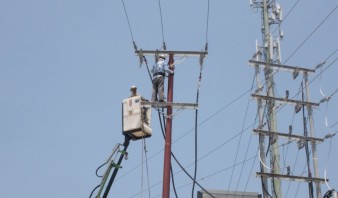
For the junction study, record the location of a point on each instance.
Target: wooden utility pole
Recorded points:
(167, 146)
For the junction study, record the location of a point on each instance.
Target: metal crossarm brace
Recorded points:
(284, 100)
(176, 53)
(292, 177)
(281, 67)
(285, 135)
(170, 104)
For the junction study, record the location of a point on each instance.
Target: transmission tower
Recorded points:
(268, 57)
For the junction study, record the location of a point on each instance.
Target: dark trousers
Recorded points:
(158, 88)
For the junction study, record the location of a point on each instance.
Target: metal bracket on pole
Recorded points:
(140, 55)
(202, 56)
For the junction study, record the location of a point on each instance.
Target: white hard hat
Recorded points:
(133, 87)
(161, 56)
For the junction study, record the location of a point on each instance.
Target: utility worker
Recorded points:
(159, 70)
(144, 114)
(133, 90)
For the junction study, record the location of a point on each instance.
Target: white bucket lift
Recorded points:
(136, 118)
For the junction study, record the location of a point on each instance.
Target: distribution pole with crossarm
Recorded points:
(169, 105)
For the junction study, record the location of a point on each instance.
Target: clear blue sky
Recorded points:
(66, 66)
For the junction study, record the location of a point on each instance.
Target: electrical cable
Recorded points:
(176, 162)
(327, 160)
(145, 60)
(290, 129)
(147, 168)
(310, 183)
(190, 175)
(246, 153)
(299, 182)
(207, 28)
(322, 71)
(159, 6)
(214, 114)
(196, 121)
(142, 162)
(240, 138)
(173, 181)
(228, 168)
(142, 158)
(307, 38)
(91, 194)
(232, 138)
(326, 98)
(260, 159)
(131, 32)
(109, 160)
(247, 181)
(100, 168)
(293, 7)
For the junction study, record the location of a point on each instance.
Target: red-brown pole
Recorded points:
(167, 146)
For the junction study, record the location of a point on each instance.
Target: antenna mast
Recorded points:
(272, 15)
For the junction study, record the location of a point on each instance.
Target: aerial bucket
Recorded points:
(136, 118)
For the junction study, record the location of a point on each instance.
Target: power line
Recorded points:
(159, 6)
(246, 154)
(196, 127)
(225, 169)
(207, 28)
(307, 38)
(131, 32)
(240, 138)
